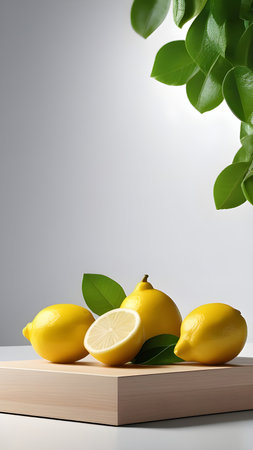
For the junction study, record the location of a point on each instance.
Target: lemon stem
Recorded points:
(145, 279)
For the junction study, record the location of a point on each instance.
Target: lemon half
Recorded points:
(115, 337)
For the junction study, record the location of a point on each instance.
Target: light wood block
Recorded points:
(90, 392)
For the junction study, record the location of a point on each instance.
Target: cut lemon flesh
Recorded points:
(115, 337)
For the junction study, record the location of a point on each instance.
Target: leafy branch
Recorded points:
(215, 62)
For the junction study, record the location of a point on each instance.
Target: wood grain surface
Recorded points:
(91, 392)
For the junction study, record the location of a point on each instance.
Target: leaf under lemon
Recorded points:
(158, 350)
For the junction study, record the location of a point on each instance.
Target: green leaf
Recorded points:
(101, 293)
(227, 188)
(173, 65)
(246, 11)
(215, 32)
(227, 17)
(205, 91)
(247, 186)
(247, 23)
(184, 10)
(158, 350)
(246, 130)
(245, 153)
(147, 15)
(238, 93)
(199, 46)
(244, 52)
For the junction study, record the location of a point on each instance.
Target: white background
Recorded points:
(105, 170)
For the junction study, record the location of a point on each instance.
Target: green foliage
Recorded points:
(227, 188)
(244, 51)
(215, 62)
(173, 65)
(213, 33)
(247, 186)
(147, 15)
(204, 90)
(158, 350)
(246, 11)
(184, 10)
(205, 41)
(246, 130)
(238, 92)
(234, 184)
(101, 293)
(245, 153)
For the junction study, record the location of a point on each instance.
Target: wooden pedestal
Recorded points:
(89, 392)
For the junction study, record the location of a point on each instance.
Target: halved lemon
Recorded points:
(115, 337)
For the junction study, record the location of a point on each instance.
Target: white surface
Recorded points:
(105, 170)
(231, 431)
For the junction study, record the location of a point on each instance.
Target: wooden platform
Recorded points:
(89, 392)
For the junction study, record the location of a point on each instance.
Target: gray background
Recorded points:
(105, 170)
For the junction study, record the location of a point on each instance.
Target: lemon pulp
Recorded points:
(115, 337)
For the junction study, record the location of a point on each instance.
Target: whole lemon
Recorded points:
(212, 334)
(159, 314)
(57, 332)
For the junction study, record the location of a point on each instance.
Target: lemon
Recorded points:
(159, 314)
(57, 332)
(115, 337)
(212, 334)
